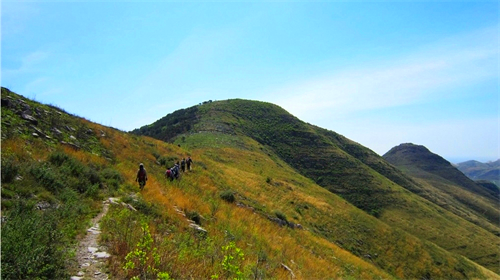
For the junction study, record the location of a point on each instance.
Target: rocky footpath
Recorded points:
(90, 256)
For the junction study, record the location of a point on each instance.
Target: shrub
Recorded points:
(228, 196)
(58, 158)
(194, 216)
(9, 170)
(111, 178)
(280, 215)
(167, 161)
(32, 246)
(47, 177)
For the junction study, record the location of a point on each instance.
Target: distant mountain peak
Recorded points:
(417, 157)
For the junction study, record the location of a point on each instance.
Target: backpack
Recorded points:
(142, 175)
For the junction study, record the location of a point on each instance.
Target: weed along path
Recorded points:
(90, 256)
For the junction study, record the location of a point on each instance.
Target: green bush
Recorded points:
(280, 215)
(9, 170)
(111, 178)
(167, 161)
(32, 246)
(47, 177)
(58, 158)
(228, 196)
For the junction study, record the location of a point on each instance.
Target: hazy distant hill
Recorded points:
(476, 170)
(336, 163)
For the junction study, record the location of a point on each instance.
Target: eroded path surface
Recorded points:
(90, 256)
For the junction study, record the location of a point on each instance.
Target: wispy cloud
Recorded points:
(428, 73)
(27, 63)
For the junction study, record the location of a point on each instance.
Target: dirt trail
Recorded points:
(90, 256)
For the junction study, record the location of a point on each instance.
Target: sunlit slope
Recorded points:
(47, 169)
(268, 185)
(335, 163)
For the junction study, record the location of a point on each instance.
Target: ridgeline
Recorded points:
(269, 196)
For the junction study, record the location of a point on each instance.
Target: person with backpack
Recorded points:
(142, 176)
(183, 165)
(168, 174)
(176, 170)
(189, 161)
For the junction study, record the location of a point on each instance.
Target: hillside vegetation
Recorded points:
(334, 162)
(448, 186)
(242, 212)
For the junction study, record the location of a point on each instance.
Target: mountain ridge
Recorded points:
(476, 170)
(241, 192)
(336, 163)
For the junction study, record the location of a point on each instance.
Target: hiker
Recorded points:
(169, 175)
(142, 176)
(176, 170)
(189, 161)
(183, 165)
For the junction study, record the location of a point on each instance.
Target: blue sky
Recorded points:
(380, 73)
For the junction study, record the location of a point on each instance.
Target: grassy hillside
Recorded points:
(339, 165)
(246, 201)
(449, 186)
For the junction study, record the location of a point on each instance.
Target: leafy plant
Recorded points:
(144, 259)
(232, 262)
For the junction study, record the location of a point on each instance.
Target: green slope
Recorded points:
(341, 166)
(449, 187)
(72, 165)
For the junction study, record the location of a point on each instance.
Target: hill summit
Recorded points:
(268, 196)
(343, 167)
(419, 157)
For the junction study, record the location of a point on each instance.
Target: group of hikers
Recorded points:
(175, 171)
(171, 173)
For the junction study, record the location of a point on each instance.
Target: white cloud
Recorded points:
(425, 75)
(341, 101)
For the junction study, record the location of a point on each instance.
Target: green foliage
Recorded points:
(167, 161)
(280, 215)
(228, 196)
(145, 207)
(232, 261)
(111, 179)
(144, 259)
(9, 170)
(32, 245)
(62, 171)
(171, 125)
